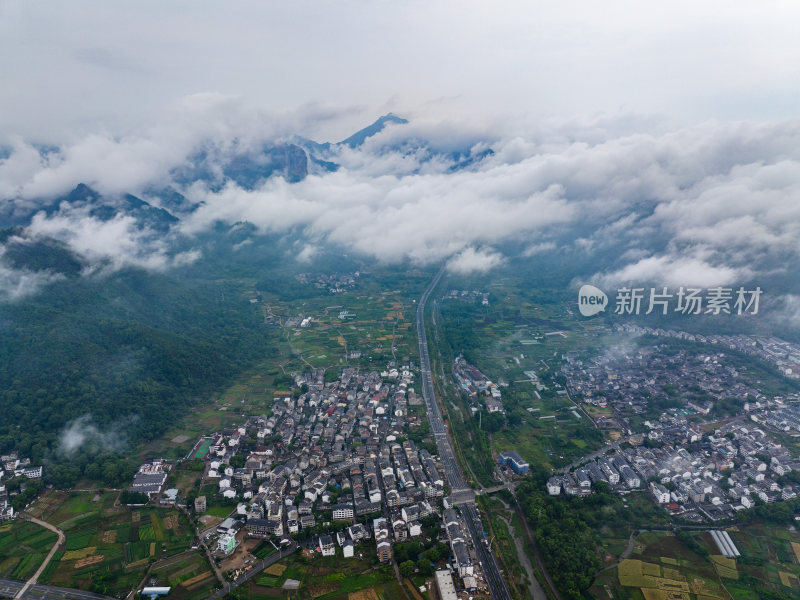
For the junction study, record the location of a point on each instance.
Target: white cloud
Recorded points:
(307, 253)
(472, 260)
(673, 272)
(83, 431)
(110, 245)
(19, 283)
(539, 248)
(700, 205)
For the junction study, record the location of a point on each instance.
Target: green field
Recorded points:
(23, 547)
(109, 547)
(328, 578)
(768, 565)
(202, 451)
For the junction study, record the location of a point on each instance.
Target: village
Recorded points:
(709, 478)
(332, 470)
(15, 475)
(696, 474)
(782, 354)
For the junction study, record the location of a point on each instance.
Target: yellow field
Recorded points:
(369, 594)
(796, 548)
(670, 561)
(196, 579)
(653, 594)
(673, 574)
(110, 536)
(276, 569)
(152, 548)
(651, 569)
(136, 564)
(89, 560)
(78, 554)
(789, 579)
(171, 522)
(673, 586)
(630, 574)
(635, 573)
(723, 561)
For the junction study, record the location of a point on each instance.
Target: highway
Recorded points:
(9, 588)
(460, 492)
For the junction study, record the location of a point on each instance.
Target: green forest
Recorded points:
(115, 357)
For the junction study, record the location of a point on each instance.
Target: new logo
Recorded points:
(591, 300)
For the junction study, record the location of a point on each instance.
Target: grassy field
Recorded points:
(109, 547)
(503, 543)
(504, 340)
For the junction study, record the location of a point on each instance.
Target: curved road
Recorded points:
(460, 492)
(61, 538)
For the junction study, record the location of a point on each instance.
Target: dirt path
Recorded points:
(61, 538)
(534, 587)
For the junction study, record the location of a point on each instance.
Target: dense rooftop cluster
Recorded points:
(782, 354)
(640, 380)
(712, 478)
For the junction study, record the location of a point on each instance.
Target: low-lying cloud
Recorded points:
(711, 204)
(83, 433)
(472, 260)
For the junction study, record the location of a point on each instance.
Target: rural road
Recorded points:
(61, 538)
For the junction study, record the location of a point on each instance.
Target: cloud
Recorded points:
(19, 283)
(109, 245)
(68, 69)
(307, 253)
(713, 203)
(673, 272)
(82, 433)
(472, 260)
(539, 248)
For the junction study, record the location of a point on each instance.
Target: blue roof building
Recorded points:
(515, 461)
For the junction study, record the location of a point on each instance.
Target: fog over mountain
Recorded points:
(713, 204)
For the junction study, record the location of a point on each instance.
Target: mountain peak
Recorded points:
(359, 137)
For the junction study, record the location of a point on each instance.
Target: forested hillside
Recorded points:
(129, 351)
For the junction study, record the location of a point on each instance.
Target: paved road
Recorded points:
(257, 568)
(593, 455)
(461, 493)
(9, 588)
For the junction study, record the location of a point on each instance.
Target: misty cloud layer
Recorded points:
(713, 204)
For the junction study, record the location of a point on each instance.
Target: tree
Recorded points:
(407, 568)
(131, 497)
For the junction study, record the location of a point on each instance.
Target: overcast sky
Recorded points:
(77, 66)
(667, 132)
